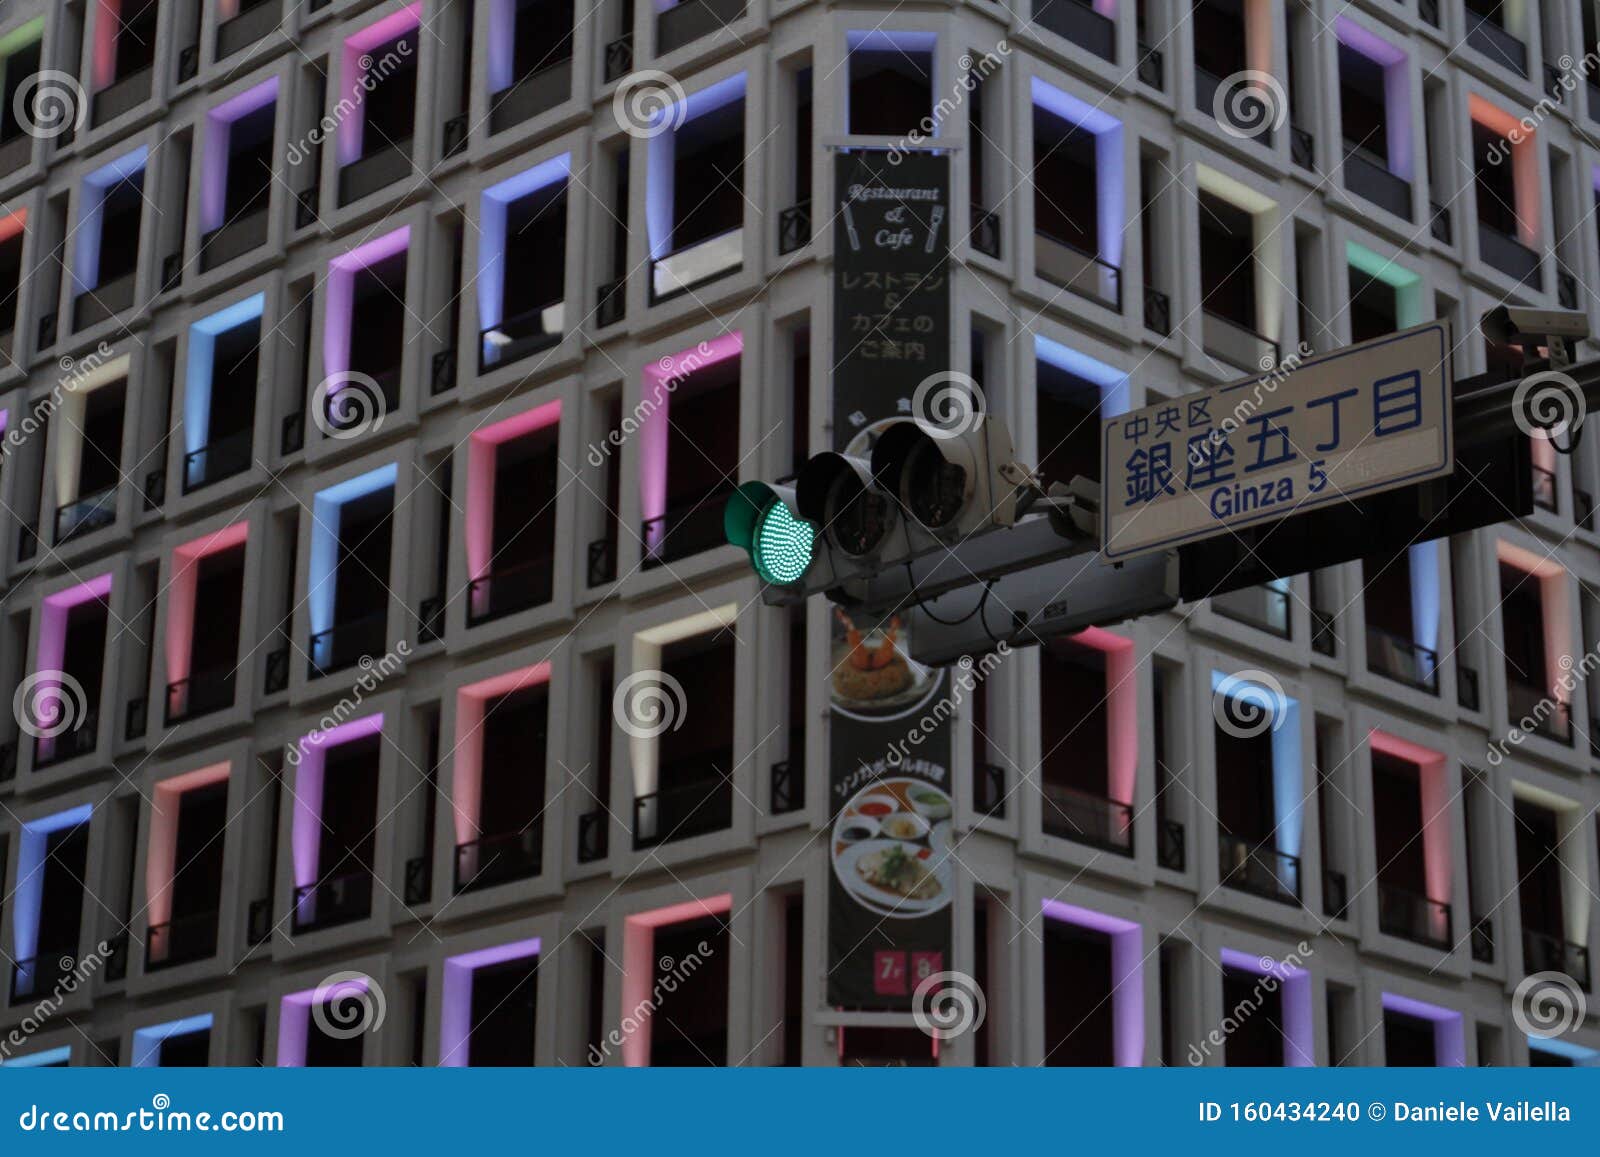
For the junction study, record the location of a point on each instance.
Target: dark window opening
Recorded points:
(504, 1013)
(690, 1024)
(891, 90)
(1068, 424)
(1079, 1017)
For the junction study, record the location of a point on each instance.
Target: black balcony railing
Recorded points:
(687, 528)
(155, 487)
(136, 719)
(1368, 176)
(700, 806)
(986, 231)
(536, 93)
(419, 880)
(40, 976)
(1324, 640)
(116, 967)
(1302, 148)
(122, 95)
(1172, 850)
(602, 561)
(442, 378)
(697, 263)
(336, 900)
(277, 673)
(611, 303)
(242, 235)
(1496, 43)
(1542, 952)
(1544, 488)
(1566, 288)
(794, 227)
(1151, 69)
(1258, 868)
(1263, 607)
(346, 644)
(1402, 660)
(1413, 916)
(1534, 710)
(182, 940)
(1248, 114)
(1583, 509)
(619, 57)
(1439, 223)
(989, 790)
(1076, 21)
(1157, 311)
(48, 327)
(689, 20)
(258, 921)
(105, 300)
(1087, 818)
(172, 271)
(8, 761)
(305, 208)
(499, 859)
(222, 458)
(90, 513)
(200, 694)
(453, 137)
(510, 589)
(1468, 696)
(1086, 274)
(292, 434)
(593, 836)
(1335, 895)
(1482, 939)
(525, 333)
(1428, 11)
(1509, 255)
(430, 620)
(350, 408)
(788, 785)
(250, 25)
(81, 740)
(388, 167)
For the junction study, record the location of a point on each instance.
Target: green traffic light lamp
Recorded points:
(761, 520)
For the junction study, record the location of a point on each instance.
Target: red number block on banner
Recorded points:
(889, 973)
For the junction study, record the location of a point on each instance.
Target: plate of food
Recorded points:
(897, 878)
(872, 674)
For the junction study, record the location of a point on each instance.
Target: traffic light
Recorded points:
(849, 518)
(762, 519)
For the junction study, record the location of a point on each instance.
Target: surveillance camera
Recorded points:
(1520, 326)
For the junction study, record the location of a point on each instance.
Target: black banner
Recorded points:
(892, 881)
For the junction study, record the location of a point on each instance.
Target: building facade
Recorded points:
(316, 612)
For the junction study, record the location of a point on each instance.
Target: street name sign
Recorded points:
(1309, 434)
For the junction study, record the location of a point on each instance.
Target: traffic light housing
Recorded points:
(850, 518)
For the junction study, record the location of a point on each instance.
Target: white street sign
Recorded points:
(1363, 419)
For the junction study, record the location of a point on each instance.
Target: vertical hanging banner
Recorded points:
(889, 783)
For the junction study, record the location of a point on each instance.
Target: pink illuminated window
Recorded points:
(689, 1026)
(206, 587)
(184, 866)
(1090, 750)
(511, 513)
(1411, 827)
(498, 798)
